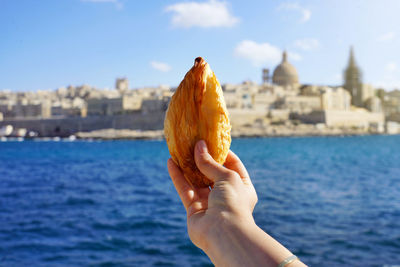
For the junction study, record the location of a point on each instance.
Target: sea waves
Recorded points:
(332, 201)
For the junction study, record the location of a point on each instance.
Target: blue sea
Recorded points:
(333, 201)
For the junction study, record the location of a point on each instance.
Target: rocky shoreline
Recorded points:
(296, 131)
(249, 131)
(115, 134)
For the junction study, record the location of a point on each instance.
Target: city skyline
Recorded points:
(94, 41)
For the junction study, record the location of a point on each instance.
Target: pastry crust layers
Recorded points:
(197, 111)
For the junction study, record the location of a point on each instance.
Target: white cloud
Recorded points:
(117, 3)
(205, 15)
(160, 66)
(294, 56)
(261, 53)
(258, 54)
(307, 44)
(305, 13)
(387, 37)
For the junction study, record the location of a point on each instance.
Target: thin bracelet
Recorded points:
(288, 260)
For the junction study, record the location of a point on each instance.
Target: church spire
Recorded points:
(352, 61)
(353, 78)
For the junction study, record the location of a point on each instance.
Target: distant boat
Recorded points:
(21, 132)
(72, 138)
(6, 130)
(32, 134)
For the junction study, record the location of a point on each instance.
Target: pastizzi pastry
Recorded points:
(197, 111)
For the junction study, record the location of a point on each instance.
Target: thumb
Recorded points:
(207, 165)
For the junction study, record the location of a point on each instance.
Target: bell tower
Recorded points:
(352, 79)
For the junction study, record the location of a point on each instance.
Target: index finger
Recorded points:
(185, 191)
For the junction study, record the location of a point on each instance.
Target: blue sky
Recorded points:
(46, 44)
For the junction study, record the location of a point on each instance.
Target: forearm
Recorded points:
(245, 244)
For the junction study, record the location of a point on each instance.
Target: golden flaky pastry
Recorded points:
(197, 111)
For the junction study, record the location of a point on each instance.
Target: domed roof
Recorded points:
(285, 73)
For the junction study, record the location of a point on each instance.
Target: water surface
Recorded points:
(333, 201)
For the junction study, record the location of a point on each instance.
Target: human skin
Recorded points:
(220, 220)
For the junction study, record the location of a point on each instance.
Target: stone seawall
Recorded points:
(66, 126)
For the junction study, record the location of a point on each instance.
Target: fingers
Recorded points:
(207, 165)
(233, 162)
(185, 191)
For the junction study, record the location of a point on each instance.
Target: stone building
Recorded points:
(69, 107)
(24, 108)
(6, 108)
(310, 90)
(300, 103)
(366, 91)
(359, 117)
(113, 106)
(265, 100)
(122, 84)
(240, 95)
(374, 104)
(353, 79)
(391, 104)
(285, 74)
(362, 95)
(155, 104)
(335, 99)
(233, 99)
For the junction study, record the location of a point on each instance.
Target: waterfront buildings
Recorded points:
(285, 100)
(279, 100)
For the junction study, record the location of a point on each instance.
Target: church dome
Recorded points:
(285, 74)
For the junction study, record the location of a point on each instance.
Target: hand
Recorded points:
(231, 200)
(220, 220)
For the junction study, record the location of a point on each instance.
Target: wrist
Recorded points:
(228, 236)
(238, 241)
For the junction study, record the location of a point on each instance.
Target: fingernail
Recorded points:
(202, 146)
